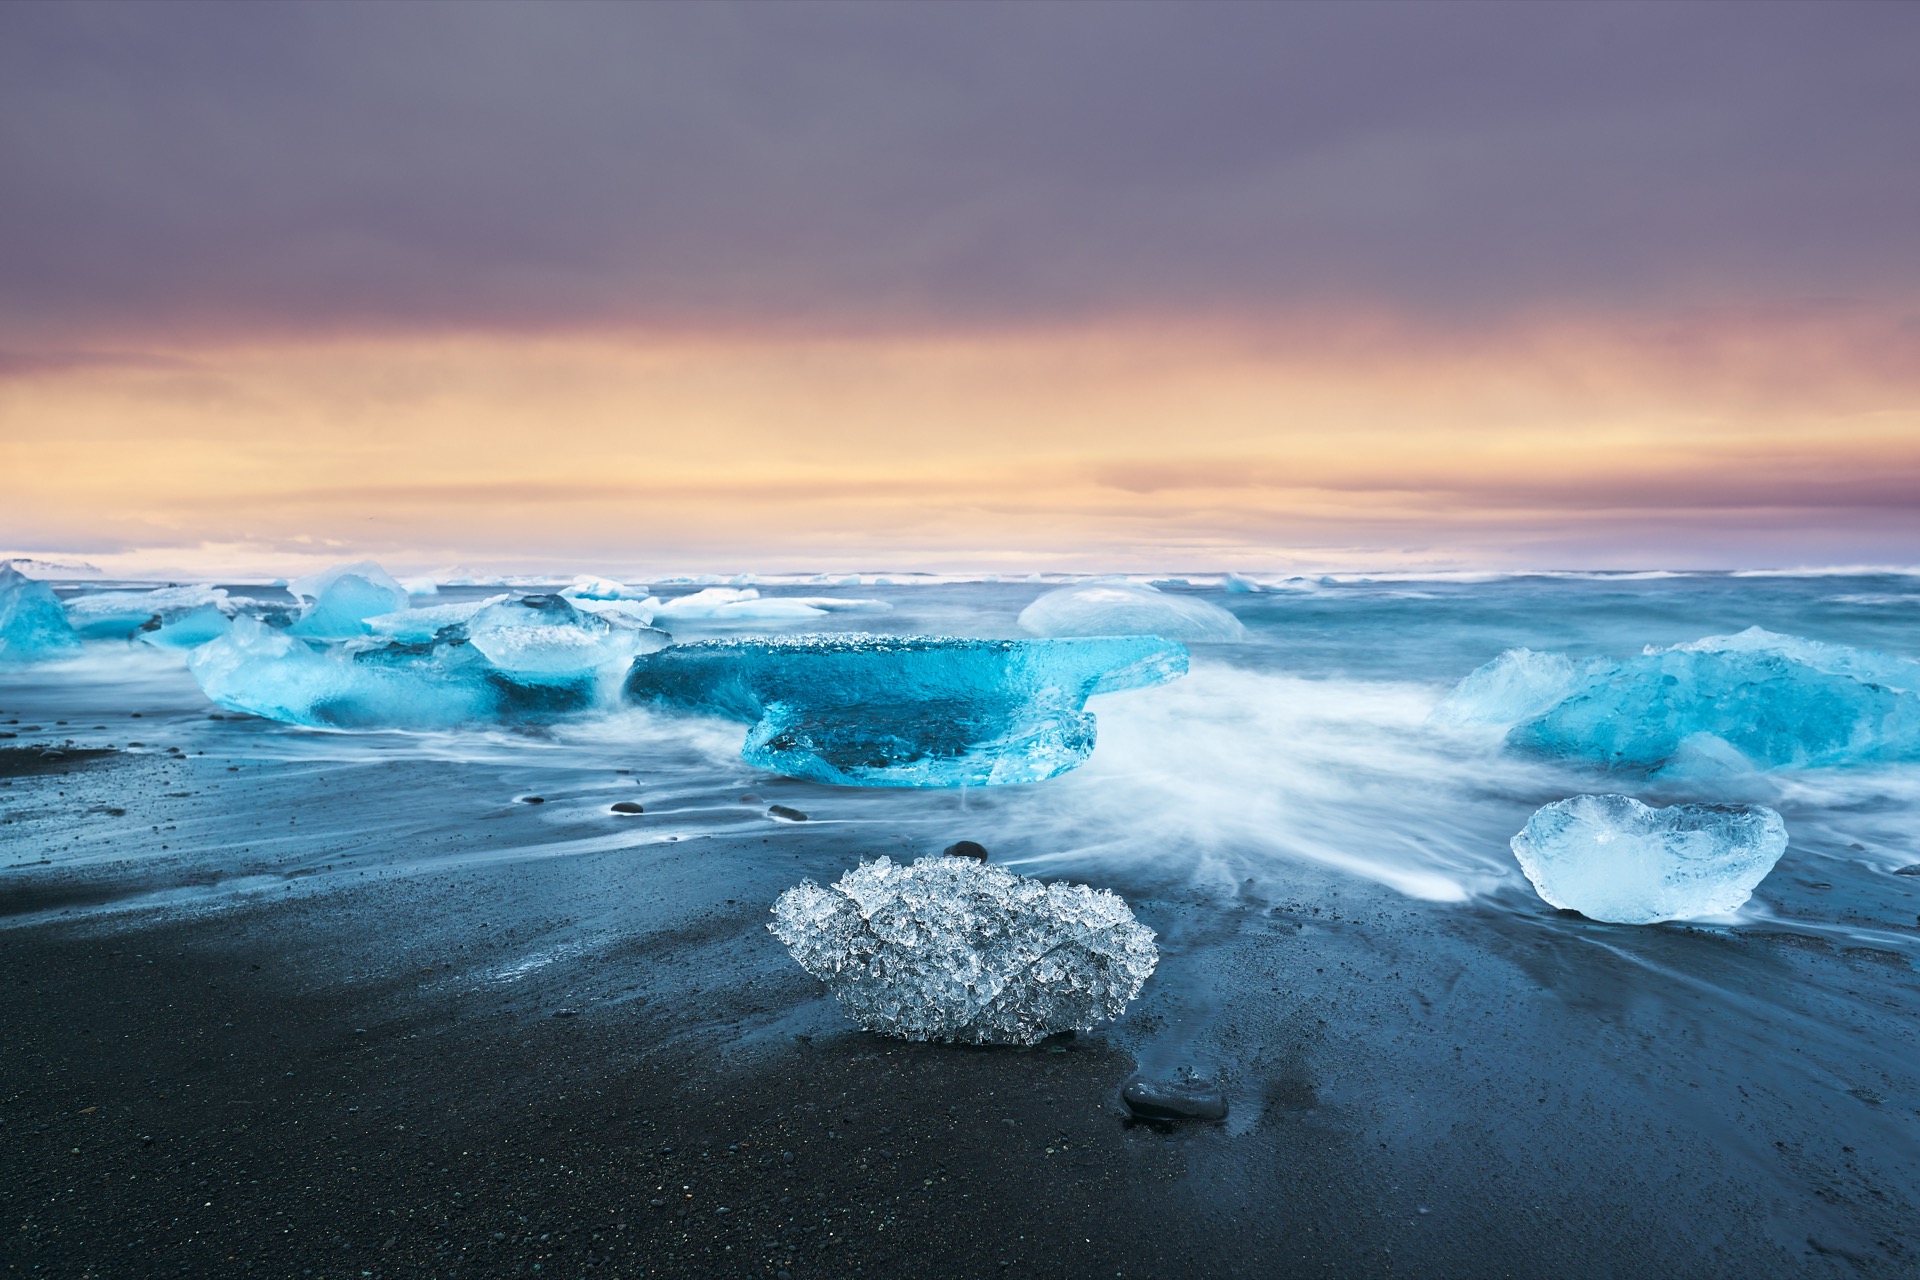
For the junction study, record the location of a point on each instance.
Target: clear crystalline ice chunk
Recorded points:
(544, 637)
(906, 711)
(1612, 858)
(1125, 609)
(32, 623)
(959, 950)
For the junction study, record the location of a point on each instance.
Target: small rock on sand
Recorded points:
(1174, 1099)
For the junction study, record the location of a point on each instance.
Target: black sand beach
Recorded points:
(433, 1039)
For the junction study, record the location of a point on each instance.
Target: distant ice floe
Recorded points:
(855, 709)
(121, 615)
(1614, 859)
(1125, 609)
(957, 950)
(587, 587)
(33, 626)
(722, 607)
(1755, 700)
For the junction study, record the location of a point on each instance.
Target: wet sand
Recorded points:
(381, 1019)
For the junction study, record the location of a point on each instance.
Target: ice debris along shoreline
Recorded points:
(1755, 700)
(33, 626)
(854, 709)
(1126, 609)
(959, 950)
(511, 660)
(1616, 860)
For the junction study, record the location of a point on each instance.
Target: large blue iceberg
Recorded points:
(1756, 700)
(1124, 609)
(906, 711)
(1612, 858)
(523, 660)
(32, 623)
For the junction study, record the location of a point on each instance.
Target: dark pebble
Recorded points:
(628, 806)
(786, 813)
(1913, 870)
(533, 799)
(751, 798)
(1175, 1099)
(966, 849)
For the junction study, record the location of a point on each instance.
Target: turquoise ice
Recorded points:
(854, 709)
(531, 659)
(1755, 700)
(32, 623)
(343, 598)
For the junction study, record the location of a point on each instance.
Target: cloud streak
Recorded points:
(301, 169)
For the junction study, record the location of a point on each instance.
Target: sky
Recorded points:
(1118, 287)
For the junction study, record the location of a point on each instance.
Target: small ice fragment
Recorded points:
(1123, 609)
(32, 623)
(958, 950)
(906, 711)
(343, 598)
(1612, 858)
(1237, 585)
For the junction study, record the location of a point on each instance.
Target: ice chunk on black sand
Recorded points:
(1614, 859)
(952, 949)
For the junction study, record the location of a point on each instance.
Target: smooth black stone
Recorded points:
(788, 812)
(628, 806)
(533, 799)
(966, 849)
(1913, 870)
(1175, 1099)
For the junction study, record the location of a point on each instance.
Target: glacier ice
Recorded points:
(854, 709)
(525, 662)
(423, 624)
(1238, 585)
(343, 598)
(588, 587)
(122, 615)
(1123, 609)
(958, 950)
(1612, 858)
(1518, 685)
(208, 622)
(32, 623)
(264, 672)
(1753, 700)
(543, 638)
(725, 606)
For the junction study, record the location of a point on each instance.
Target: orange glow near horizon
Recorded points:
(1125, 448)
